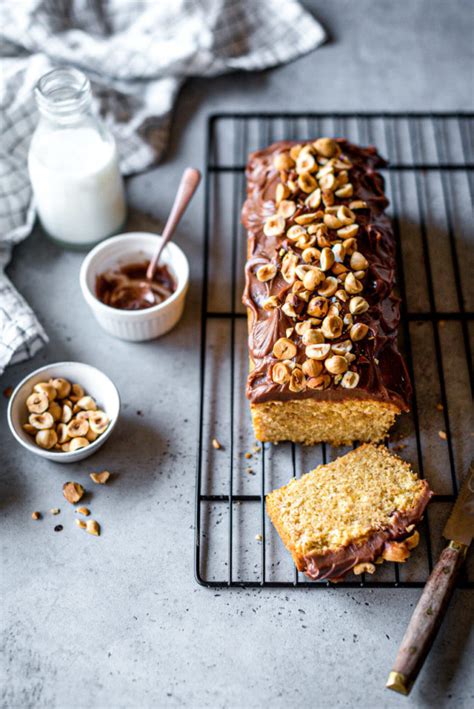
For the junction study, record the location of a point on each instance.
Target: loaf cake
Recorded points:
(322, 315)
(351, 514)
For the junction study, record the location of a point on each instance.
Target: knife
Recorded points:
(431, 607)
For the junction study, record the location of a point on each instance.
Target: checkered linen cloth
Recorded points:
(137, 54)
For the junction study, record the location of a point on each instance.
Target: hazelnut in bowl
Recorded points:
(64, 411)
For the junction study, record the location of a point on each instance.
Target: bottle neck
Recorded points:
(64, 96)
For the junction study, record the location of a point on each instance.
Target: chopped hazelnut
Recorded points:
(283, 161)
(286, 208)
(413, 541)
(396, 551)
(327, 147)
(280, 373)
(92, 527)
(73, 492)
(274, 226)
(364, 568)
(100, 478)
(266, 272)
(284, 348)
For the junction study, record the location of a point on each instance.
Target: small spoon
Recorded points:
(187, 187)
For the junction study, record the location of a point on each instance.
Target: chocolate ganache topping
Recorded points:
(320, 275)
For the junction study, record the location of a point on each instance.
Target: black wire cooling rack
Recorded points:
(429, 184)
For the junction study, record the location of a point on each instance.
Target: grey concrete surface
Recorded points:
(119, 621)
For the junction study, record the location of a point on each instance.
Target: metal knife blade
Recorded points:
(460, 525)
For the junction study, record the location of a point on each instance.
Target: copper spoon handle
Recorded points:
(187, 187)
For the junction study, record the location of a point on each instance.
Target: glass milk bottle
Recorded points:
(73, 164)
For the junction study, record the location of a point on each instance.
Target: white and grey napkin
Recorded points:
(137, 54)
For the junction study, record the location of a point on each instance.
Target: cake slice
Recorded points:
(350, 514)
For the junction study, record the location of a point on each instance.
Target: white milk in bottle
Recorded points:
(73, 164)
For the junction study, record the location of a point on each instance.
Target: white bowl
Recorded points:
(95, 383)
(135, 325)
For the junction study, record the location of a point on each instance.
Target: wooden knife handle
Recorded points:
(426, 619)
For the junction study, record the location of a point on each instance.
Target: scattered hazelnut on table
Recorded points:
(92, 527)
(100, 478)
(36, 515)
(83, 511)
(73, 492)
(216, 444)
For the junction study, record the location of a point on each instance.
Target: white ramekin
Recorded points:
(135, 325)
(95, 383)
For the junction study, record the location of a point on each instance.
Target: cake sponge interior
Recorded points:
(344, 502)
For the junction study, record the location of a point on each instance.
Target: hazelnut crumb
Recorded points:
(258, 537)
(92, 527)
(364, 568)
(73, 492)
(36, 515)
(248, 455)
(440, 407)
(100, 478)
(55, 511)
(442, 435)
(80, 523)
(399, 447)
(83, 511)
(216, 444)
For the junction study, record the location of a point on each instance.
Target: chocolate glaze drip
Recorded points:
(383, 374)
(334, 565)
